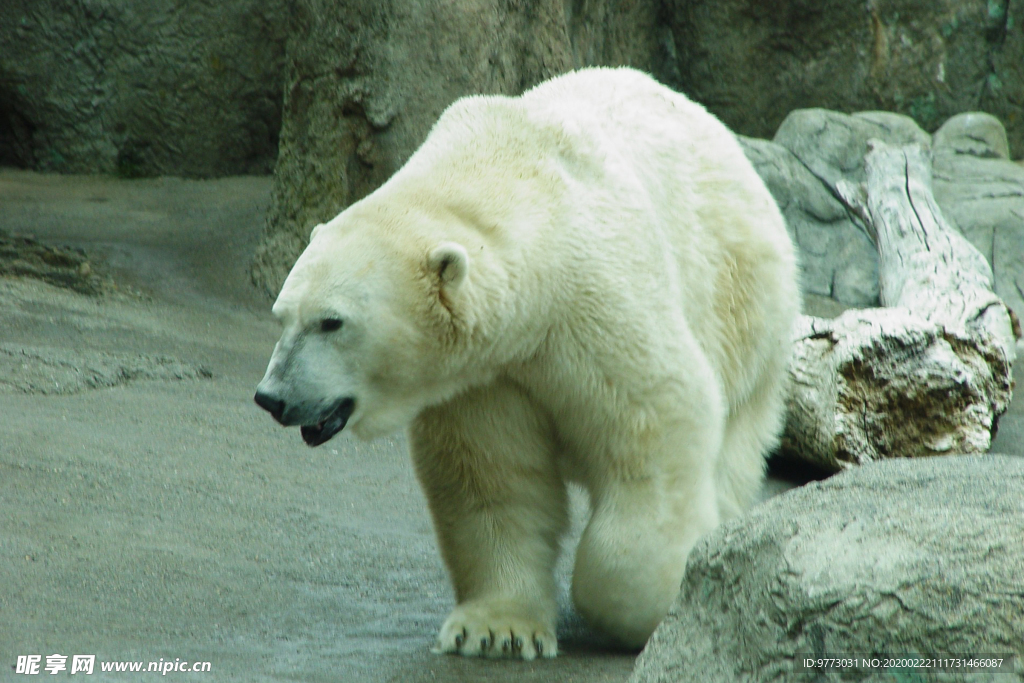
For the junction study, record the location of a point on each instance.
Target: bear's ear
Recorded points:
(449, 262)
(316, 229)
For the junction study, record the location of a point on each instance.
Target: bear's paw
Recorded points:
(497, 628)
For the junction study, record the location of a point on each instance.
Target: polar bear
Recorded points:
(588, 283)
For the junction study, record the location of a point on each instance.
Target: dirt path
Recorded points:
(150, 511)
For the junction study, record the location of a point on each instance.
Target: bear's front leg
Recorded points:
(486, 463)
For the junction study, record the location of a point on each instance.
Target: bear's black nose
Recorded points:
(271, 404)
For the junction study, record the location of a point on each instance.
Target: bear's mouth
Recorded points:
(323, 431)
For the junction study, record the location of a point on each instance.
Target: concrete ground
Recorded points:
(150, 511)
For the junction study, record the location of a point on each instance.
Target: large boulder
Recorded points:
(903, 557)
(141, 89)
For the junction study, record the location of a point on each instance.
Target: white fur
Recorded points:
(588, 283)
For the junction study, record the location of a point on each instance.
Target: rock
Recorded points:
(973, 133)
(918, 557)
(56, 371)
(983, 193)
(107, 86)
(837, 259)
(833, 145)
(23, 256)
(366, 81)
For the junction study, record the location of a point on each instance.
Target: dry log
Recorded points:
(930, 373)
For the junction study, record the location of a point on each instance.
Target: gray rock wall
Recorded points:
(141, 88)
(365, 81)
(196, 88)
(752, 62)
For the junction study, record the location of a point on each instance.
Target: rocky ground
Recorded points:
(152, 511)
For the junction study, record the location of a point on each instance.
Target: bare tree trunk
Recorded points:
(930, 373)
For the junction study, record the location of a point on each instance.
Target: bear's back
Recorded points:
(701, 200)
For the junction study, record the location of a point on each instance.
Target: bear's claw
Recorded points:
(475, 630)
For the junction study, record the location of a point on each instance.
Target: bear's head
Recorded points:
(371, 327)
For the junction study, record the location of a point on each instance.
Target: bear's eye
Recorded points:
(330, 324)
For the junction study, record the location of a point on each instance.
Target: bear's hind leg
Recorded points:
(486, 463)
(644, 521)
(751, 433)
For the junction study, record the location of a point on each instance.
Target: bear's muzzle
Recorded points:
(316, 431)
